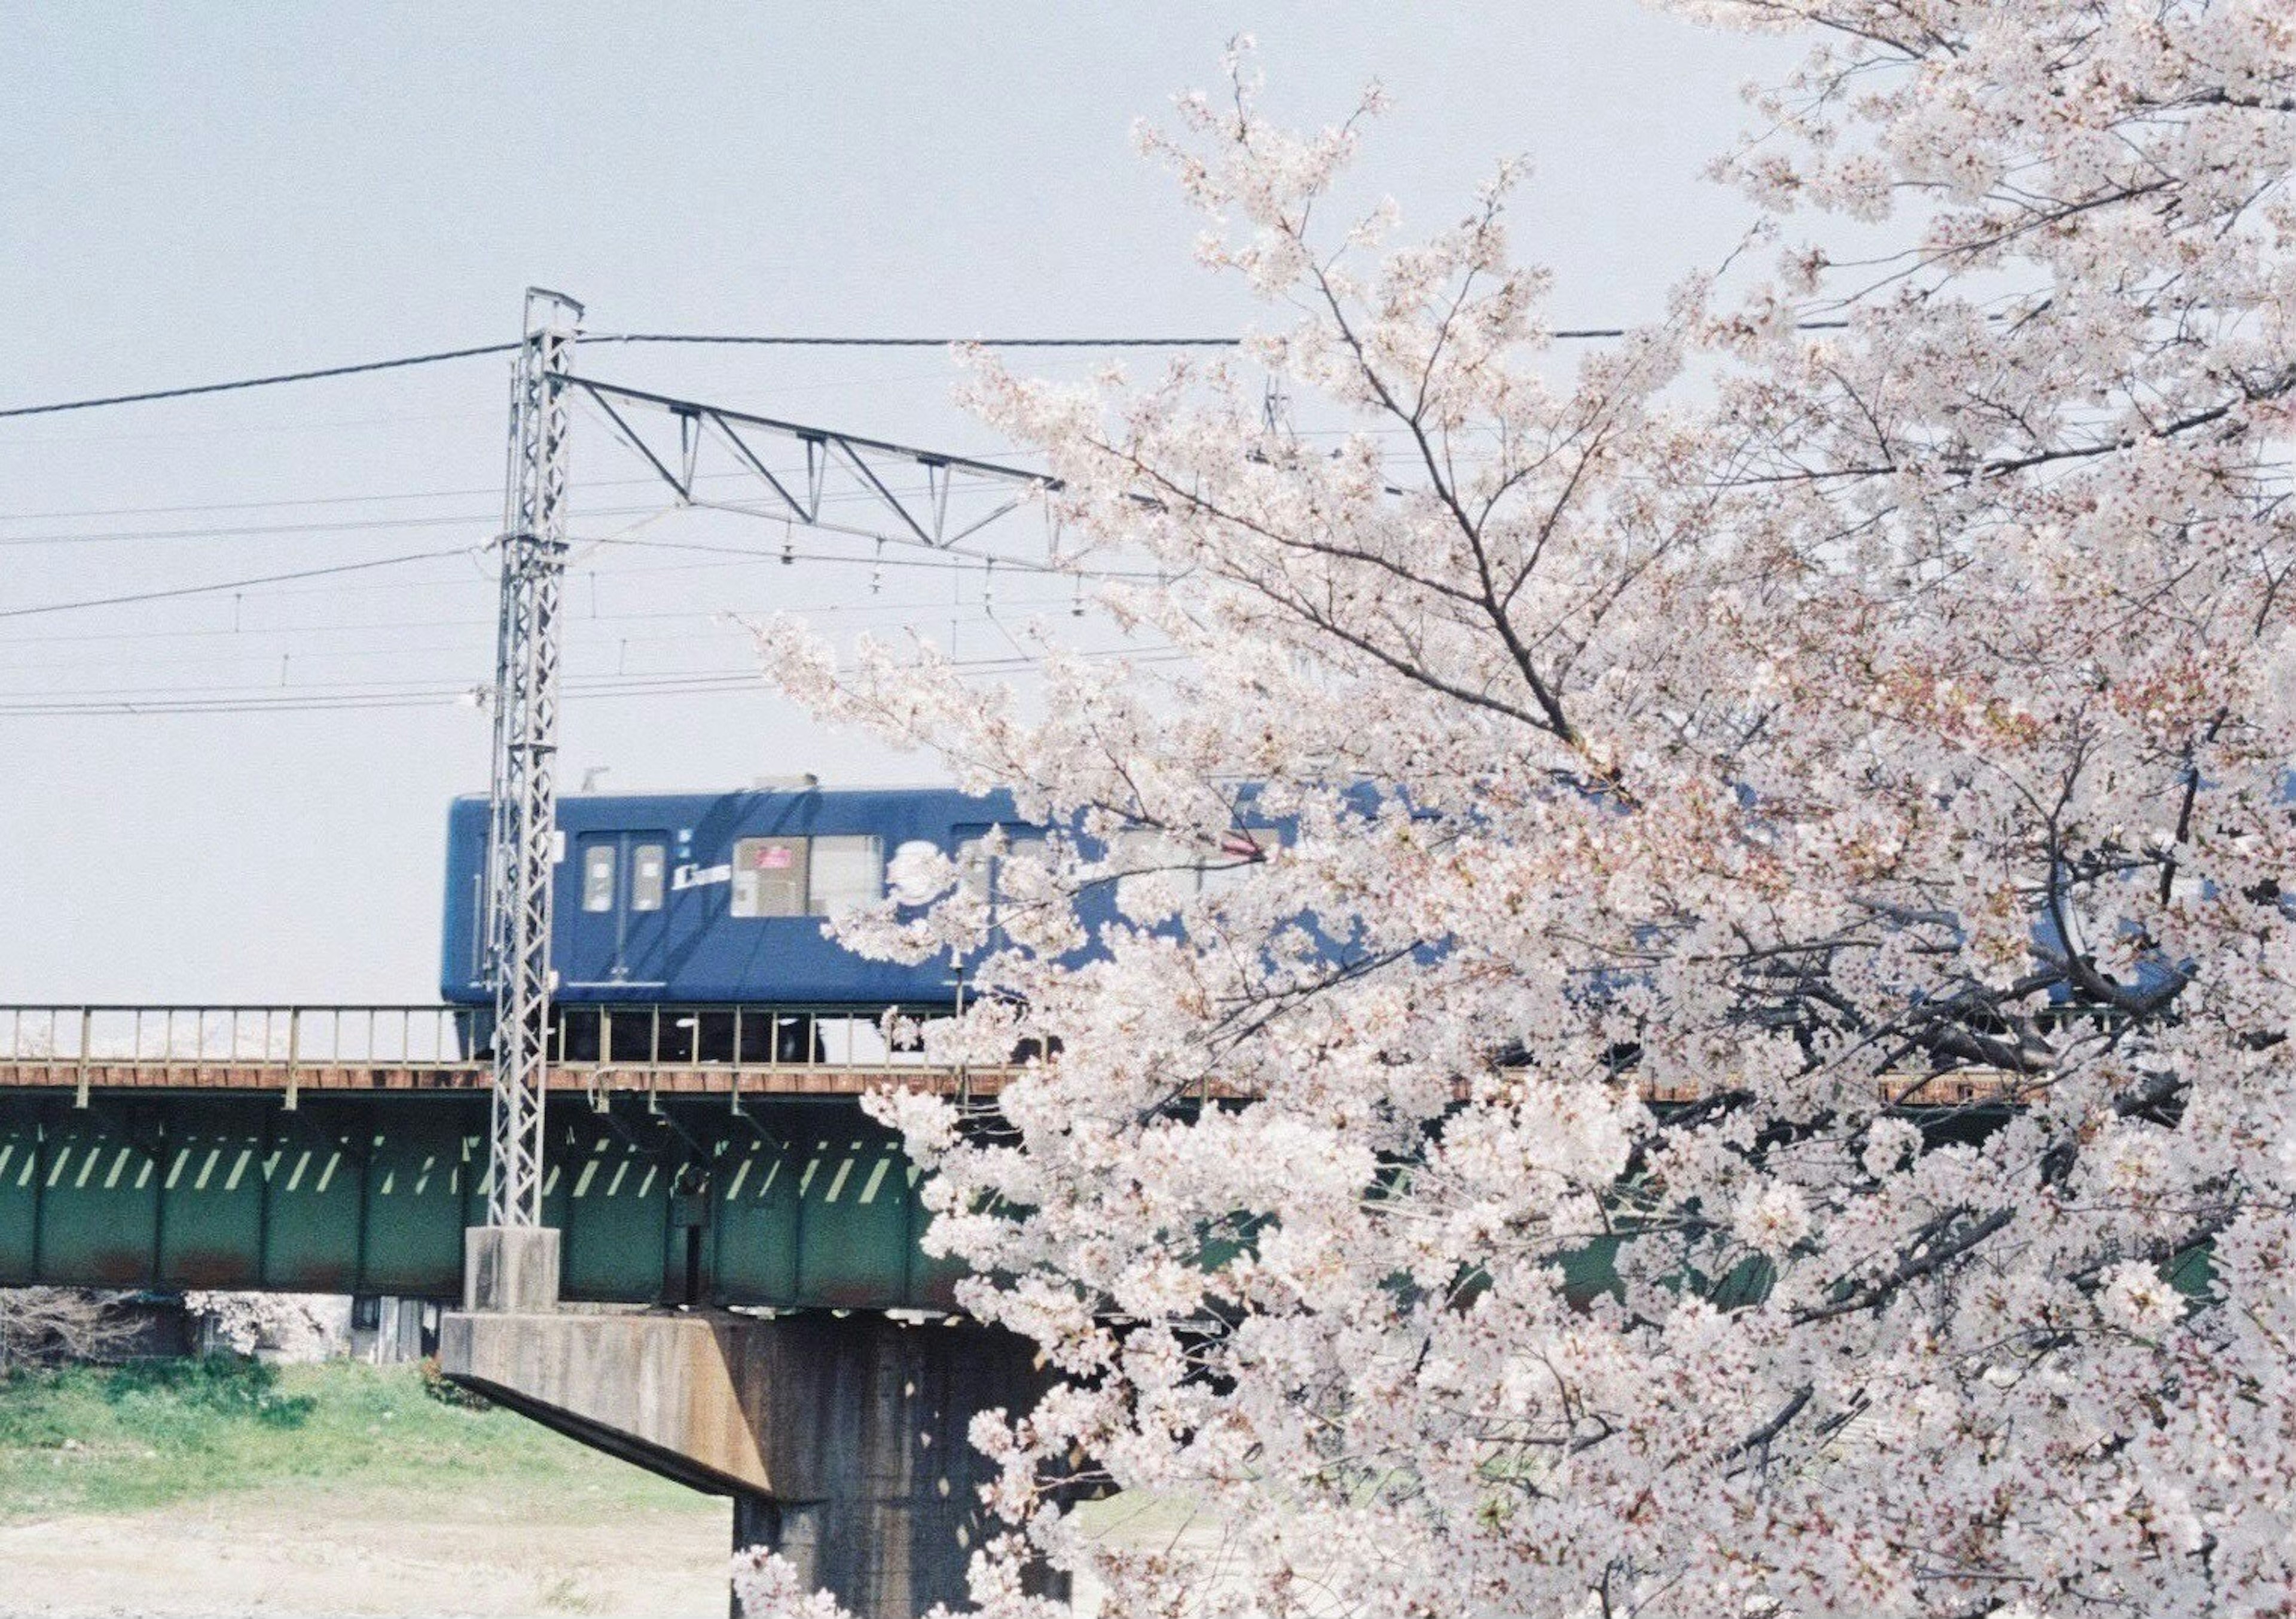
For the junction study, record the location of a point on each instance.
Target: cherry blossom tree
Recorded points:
(41, 1326)
(1724, 1046)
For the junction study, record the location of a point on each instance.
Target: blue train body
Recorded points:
(718, 897)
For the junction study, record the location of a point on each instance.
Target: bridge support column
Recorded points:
(510, 1267)
(842, 1440)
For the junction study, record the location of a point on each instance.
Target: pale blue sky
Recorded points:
(189, 194)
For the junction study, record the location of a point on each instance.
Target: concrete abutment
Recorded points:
(842, 1439)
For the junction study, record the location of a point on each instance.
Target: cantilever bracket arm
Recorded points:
(866, 469)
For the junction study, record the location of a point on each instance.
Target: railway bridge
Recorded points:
(343, 1149)
(782, 1339)
(791, 1346)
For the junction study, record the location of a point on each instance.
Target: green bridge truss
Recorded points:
(790, 1203)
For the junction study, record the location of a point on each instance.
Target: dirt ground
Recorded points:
(280, 1552)
(287, 1553)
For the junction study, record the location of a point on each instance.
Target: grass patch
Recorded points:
(123, 1439)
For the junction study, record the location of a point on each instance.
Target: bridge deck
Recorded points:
(344, 1149)
(601, 1081)
(599, 1051)
(278, 1076)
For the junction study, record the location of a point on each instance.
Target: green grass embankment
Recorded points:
(77, 1440)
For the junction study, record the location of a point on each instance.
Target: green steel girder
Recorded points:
(794, 1203)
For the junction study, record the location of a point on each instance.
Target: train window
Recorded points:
(598, 877)
(647, 864)
(847, 873)
(973, 864)
(1144, 847)
(1240, 851)
(1155, 878)
(1162, 869)
(769, 876)
(973, 867)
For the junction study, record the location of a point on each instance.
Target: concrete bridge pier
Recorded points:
(842, 1439)
(877, 1486)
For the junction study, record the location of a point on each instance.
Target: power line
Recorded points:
(970, 561)
(488, 522)
(940, 559)
(272, 531)
(210, 531)
(936, 609)
(739, 340)
(382, 695)
(403, 361)
(400, 363)
(64, 514)
(265, 505)
(224, 584)
(1568, 334)
(736, 557)
(723, 340)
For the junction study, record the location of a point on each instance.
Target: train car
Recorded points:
(690, 927)
(718, 898)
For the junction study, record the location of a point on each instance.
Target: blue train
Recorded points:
(714, 902)
(717, 897)
(711, 901)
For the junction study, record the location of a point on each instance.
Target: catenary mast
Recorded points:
(523, 794)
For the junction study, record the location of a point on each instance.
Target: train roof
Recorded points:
(758, 787)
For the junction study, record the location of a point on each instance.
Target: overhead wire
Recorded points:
(733, 557)
(215, 586)
(340, 626)
(268, 531)
(346, 695)
(493, 490)
(438, 357)
(367, 694)
(359, 525)
(147, 396)
(275, 505)
(729, 339)
(736, 340)
(398, 647)
(968, 561)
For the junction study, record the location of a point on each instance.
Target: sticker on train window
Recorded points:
(769, 877)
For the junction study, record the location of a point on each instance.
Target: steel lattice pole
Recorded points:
(524, 797)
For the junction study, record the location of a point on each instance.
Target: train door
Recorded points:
(618, 932)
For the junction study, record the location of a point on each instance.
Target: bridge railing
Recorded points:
(673, 1035)
(594, 1044)
(200, 1036)
(404, 1036)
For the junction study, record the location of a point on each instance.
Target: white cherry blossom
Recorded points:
(1803, 790)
